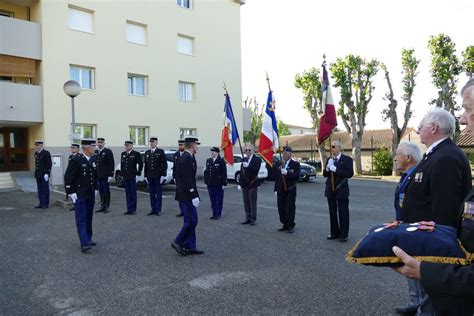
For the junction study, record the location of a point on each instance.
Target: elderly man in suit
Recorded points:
(339, 168)
(449, 286)
(249, 184)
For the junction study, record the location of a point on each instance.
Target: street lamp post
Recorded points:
(72, 89)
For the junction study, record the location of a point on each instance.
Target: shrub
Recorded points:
(383, 162)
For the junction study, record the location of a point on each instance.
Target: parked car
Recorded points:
(233, 172)
(141, 179)
(307, 171)
(314, 163)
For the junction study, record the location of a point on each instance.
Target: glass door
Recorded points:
(13, 149)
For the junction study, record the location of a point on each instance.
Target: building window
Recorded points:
(137, 85)
(85, 130)
(186, 91)
(138, 135)
(81, 19)
(185, 4)
(136, 33)
(7, 14)
(185, 44)
(84, 76)
(184, 132)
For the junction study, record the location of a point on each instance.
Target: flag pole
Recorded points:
(232, 113)
(273, 140)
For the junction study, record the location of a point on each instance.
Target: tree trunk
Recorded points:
(356, 153)
(395, 142)
(323, 155)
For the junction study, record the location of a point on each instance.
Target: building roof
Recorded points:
(379, 138)
(465, 140)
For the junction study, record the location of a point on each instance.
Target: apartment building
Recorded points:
(146, 68)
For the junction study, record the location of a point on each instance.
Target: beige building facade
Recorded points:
(146, 68)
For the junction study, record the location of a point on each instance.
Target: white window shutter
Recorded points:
(80, 20)
(136, 34)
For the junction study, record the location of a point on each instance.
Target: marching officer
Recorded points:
(249, 184)
(74, 153)
(131, 166)
(105, 173)
(215, 177)
(176, 156)
(81, 185)
(43, 166)
(188, 197)
(285, 190)
(155, 174)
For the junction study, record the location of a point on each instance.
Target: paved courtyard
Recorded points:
(245, 270)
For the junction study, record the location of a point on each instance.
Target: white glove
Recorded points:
(146, 180)
(73, 198)
(332, 168)
(136, 178)
(109, 179)
(239, 187)
(223, 187)
(330, 162)
(284, 171)
(46, 177)
(96, 192)
(246, 164)
(162, 180)
(276, 193)
(196, 202)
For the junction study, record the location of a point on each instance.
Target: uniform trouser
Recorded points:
(216, 195)
(250, 203)
(43, 191)
(104, 190)
(419, 298)
(84, 211)
(286, 207)
(187, 236)
(131, 194)
(339, 217)
(155, 188)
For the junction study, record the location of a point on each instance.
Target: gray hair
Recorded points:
(469, 84)
(442, 118)
(250, 146)
(411, 149)
(338, 144)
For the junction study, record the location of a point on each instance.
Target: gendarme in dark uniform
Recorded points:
(74, 153)
(156, 168)
(215, 177)
(176, 156)
(131, 166)
(81, 183)
(43, 166)
(285, 188)
(188, 197)
(105, 173)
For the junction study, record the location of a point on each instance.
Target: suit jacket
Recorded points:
(215, 173)
(249, 175)
(438, 186)
(81, 177)
(291, 177)
(105, 163)
(186, 188)
(155, 164)
(131, 164)
(176, 156)
(450, 287)
(71, 157)
(43, 163)
(344, 171)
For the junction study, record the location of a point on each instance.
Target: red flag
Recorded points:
(227, 146)
(328, 120)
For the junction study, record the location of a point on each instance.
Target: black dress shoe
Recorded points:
(106, 211)
(283, 229)
(343, 239)
(330, 237)
(291, 230)
(44, 207)
(37, 206)
(133, 213)
(194, 252)
(407, 310)
(245, 223)
(151, 213)
(180, 215)
(92, 243)
(212, 217)
(252, 223)
(100, 210)
(72, 209)
(127, 213)
(85, 249)
(179, 249)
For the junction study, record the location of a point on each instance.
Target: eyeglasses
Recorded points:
(247, 150)
(333, 146)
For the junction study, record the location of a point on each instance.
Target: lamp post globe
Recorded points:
(72, 88)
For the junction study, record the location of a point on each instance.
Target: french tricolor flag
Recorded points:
(327, 121)
(269, 143)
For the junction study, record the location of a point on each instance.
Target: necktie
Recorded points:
(335, 160)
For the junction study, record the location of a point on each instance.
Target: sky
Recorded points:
(284, 38)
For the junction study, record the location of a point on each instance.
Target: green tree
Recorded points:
(310, 84)
(256, 120)
(409, 72)
(468, 61)
(445, 69)
(383, 162)
(354, 76)
(283, 129)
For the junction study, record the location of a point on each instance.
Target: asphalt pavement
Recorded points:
(245, 269)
